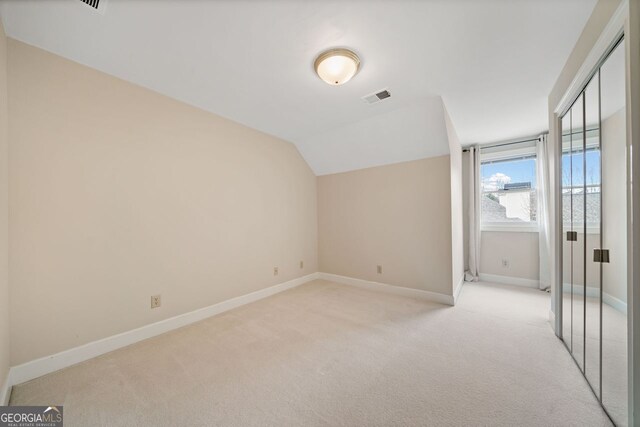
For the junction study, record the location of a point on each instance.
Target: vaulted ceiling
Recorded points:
(492, 64)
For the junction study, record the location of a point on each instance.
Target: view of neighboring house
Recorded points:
(513, 202)
(517, 203)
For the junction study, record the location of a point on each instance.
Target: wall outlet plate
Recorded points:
(156, 301)
(379, 269)
(275, 271)
(301, 264)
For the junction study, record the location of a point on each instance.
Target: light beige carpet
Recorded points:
(325, 354)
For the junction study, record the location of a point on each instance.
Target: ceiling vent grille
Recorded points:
(377, 97)
(93, 3)
(97, 5)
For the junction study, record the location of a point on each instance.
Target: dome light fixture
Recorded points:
(337, 66)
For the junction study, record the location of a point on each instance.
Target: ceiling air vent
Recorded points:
(376, 97)
(97, 5)
(93, 3)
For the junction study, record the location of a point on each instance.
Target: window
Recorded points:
(509, 199)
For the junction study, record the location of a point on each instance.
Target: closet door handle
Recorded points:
(601, 255)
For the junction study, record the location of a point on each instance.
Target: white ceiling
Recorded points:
(492, 62)
(410, 132)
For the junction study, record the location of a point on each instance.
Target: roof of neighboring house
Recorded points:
(517, 186)
(593, 208)
(492, 211)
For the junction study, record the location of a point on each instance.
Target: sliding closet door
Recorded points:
(591, 232)
(595, 186)
(577, 227)
(614, 237)
(567, 243)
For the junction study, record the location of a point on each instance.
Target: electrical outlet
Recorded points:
(379, 269)
(156, 301)
(505, 263)
(301, 264)
(275, 271)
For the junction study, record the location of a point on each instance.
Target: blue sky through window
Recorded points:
(593, 168)
(496, 174)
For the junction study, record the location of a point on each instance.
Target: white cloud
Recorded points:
(495, 182)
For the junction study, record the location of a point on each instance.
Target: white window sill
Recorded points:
(511, 228)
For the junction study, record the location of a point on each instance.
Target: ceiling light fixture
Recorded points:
(337, 66)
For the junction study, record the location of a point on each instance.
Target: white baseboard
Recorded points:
(592, 292)
(392, 289)
(614, 302)
(579, 290)
(5, 390)
(506, 280)
(456, 291)
(36, 368)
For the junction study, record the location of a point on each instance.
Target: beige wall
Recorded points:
(520, 249)
(457, 211)
(397, 216)
(118, 193)
(4, 213)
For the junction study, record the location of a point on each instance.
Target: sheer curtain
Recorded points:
(474, 214)
(542, 164)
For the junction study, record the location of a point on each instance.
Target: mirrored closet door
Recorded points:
(594, 225)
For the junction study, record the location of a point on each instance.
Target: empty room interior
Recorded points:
(319, 213)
